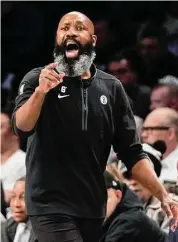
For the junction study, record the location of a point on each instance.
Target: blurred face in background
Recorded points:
(154, 129)
(114, 198)
(103, 33)
(149, 49)
(164, 96)
(17, 202)
(122, 71)
(143, 193)
(6, 132)
(160, 97)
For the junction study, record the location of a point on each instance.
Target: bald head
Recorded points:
(80, 17)
(163, 116)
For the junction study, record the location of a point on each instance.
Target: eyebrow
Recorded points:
(77, 22)
(67, 23)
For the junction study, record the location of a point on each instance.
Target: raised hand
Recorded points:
(49, 78)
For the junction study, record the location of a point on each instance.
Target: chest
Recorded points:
(80, 109)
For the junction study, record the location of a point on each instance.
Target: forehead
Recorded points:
(149, 41)
(19, 187)
(74, 19)
(162, 91)
(154, 120)
(122, 64)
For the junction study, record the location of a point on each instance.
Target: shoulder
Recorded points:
(122, 226)
(109, 82)
(11, 227)
(10, 223)
(20, 153)
(107, 78)
(32, 76)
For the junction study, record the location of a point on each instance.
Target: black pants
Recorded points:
(60, 228)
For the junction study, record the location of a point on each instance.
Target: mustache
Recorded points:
(83, 49)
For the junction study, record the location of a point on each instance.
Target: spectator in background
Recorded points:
(107, 41)
(125, 217)
(129, 68)
(151, 203)
(165, 93)
(12, 158)
(19, 228)
(171, 20)
(153, 47)
(162, 124)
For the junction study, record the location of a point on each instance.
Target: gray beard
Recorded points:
(78, 67)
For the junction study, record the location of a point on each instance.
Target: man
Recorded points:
(128, 67)
(152, 205)
(165, 93)
(162, 124)
(12, 157)
(19, 227)
(72, 122)
(152, 43)
(125, 217)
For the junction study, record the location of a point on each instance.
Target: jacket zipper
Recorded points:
(84, 108)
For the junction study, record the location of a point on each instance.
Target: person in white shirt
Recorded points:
(12, 157)
(162, 124)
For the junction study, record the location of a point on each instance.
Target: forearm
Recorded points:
(28, 114)
(143, 172)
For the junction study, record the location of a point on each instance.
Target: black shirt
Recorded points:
(68, 149)
(129, 222)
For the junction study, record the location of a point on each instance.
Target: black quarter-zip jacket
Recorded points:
(68, 149)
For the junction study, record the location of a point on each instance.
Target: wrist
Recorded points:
(40, 91)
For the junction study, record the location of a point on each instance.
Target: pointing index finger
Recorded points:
(51, 66)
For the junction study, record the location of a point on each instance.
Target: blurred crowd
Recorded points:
(138, 44)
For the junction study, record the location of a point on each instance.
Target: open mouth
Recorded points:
(72, 49)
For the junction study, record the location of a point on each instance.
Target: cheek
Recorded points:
(162, 135)
(59, 38)
(23, 205)
(85, 38)
(151, 138)
(12, 205)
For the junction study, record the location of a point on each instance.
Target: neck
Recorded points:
(86, 75)
(170, 148)
(7, 153)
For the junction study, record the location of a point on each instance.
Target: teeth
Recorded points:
(71, 42)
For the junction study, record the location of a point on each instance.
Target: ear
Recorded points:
(171, 133)
(119, 195)
(94, 39)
